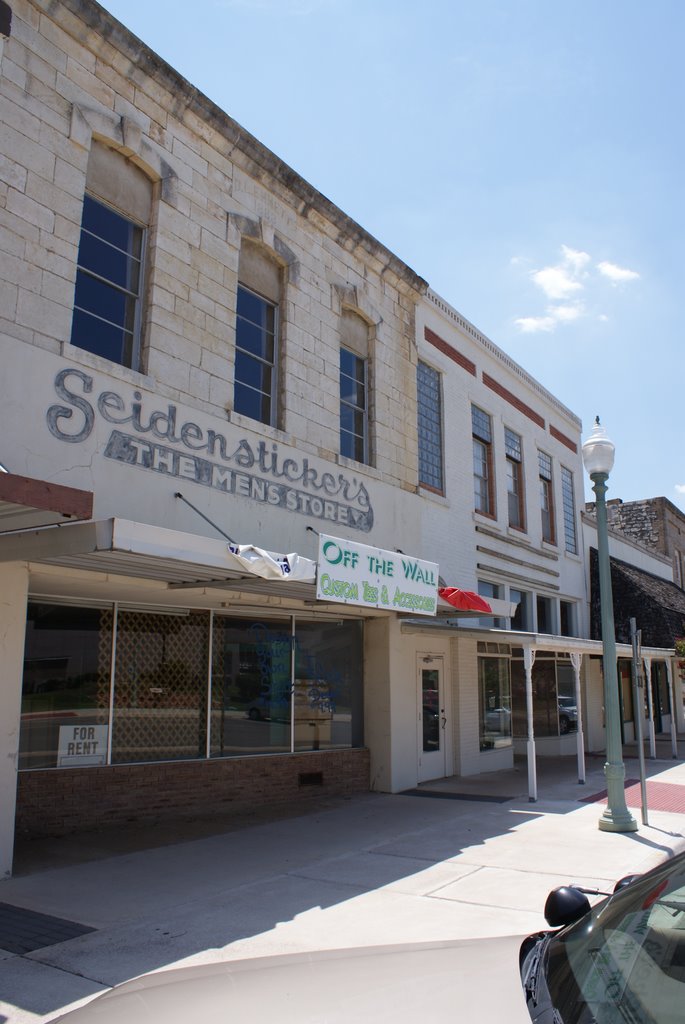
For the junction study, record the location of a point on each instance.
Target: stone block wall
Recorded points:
(72, 74)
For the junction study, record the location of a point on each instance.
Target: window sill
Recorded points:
(519, 534)
(358, 467)
(430, 495)
(99, 363)
(486, 517)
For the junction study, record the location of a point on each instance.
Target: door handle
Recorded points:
(444, 721)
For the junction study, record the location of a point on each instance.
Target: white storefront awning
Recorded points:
(178, 559)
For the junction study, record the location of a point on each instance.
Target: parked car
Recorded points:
(621, 961)
(568, 714)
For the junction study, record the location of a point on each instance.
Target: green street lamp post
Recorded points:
(598, 459)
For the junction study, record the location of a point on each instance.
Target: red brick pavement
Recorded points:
(661, 796)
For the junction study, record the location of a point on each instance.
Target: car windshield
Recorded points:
(625, 960)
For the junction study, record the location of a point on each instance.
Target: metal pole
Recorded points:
(576, 661)
(528, 662)
(616, 817)
(638, 708)
(650, 706)
(671, 697)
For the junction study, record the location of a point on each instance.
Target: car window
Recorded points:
(625, 962)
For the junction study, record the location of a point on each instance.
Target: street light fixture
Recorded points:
(598, 459)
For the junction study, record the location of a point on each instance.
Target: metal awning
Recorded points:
(27, 504)
(125, 548)
(535, 641)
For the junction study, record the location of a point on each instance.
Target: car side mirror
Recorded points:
(565, 905)
(626, 880)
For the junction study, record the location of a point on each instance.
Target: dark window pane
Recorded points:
(351, 364)
(254, 339)
(251, 687)
(353, 412)
(66, 686)
(106, 223)
(254, 404)
(252, 373)
(352, 391)
(108, 303)
(255, 359)
(351, 446)
(328, 685)
(108, 284)
(108, 262)
(255, 309)
(106, 340)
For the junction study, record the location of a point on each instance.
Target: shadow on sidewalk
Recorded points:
(161, 892)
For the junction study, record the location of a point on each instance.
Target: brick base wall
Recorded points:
(60, 801)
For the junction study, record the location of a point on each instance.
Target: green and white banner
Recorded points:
(352, 573)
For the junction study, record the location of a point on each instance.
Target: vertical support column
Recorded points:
(210, 662)
(14, 583)
(671, 697)
(650, 705)
(528, 662)
(576, 661)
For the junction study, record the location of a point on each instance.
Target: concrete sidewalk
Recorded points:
(455, 859)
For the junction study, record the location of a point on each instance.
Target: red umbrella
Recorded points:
(464, 600)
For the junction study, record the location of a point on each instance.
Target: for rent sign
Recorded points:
(353, 573)
(82, 744)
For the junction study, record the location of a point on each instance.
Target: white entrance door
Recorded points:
(432, 718)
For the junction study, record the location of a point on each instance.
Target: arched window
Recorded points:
(111, 259)
(354, 387)
(260, 284)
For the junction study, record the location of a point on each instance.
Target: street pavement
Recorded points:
(459, 858)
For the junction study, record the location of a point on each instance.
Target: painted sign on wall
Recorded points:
(352, 573)
(162, 441)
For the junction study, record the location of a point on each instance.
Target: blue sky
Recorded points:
(524, 156)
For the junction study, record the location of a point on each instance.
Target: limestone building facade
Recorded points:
(252, 461)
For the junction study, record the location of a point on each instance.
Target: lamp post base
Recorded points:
(616, 817)
(612, 822)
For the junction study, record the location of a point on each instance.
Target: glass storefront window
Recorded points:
(276, 686)
(328, 669)
(495, 703)
(566, 698)
(554, 697)
(160, 686)
(251, 690)
(65, 699)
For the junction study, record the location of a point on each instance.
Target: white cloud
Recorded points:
(554, 315)
(565, 284)
(576, 258)
(564, 314)
(565, 277)
(680, 488)
(615, 273)
(533, 324)
(556, 282)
